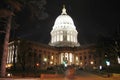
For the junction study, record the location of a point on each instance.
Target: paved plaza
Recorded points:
(77, 78)
(82, 76)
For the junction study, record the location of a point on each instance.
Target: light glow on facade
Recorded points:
(91, 62)
(9, 65)
(51, 62)
(52, 57)
(45, 59)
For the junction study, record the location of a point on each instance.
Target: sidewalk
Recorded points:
(78, 78)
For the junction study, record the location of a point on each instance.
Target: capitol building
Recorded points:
(63, 48)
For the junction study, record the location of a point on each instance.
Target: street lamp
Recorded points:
(100, 67)
(108, 63)
(37, 64)
(118, 58)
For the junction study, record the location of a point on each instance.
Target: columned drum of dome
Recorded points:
(64, 33)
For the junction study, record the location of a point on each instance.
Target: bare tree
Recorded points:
(8, 10)
(8, 13)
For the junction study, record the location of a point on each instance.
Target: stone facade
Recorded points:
(46, 56)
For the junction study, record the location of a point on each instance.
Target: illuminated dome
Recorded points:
(64, 33)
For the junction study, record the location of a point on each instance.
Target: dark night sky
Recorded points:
(91, 18)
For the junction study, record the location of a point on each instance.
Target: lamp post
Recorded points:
(117, 50)
(108, 65)
(118, 58)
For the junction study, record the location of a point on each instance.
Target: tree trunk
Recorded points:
(5, 48)
(14, 56)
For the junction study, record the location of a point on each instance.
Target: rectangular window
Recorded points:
(57, 37)
(68, 37)
(61, 37)
(80, 57)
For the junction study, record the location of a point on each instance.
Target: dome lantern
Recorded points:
(64, 10)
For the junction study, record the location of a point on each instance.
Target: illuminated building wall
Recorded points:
(12, 50)
(47, 56)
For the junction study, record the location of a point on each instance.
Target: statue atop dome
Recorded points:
(64, 10)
